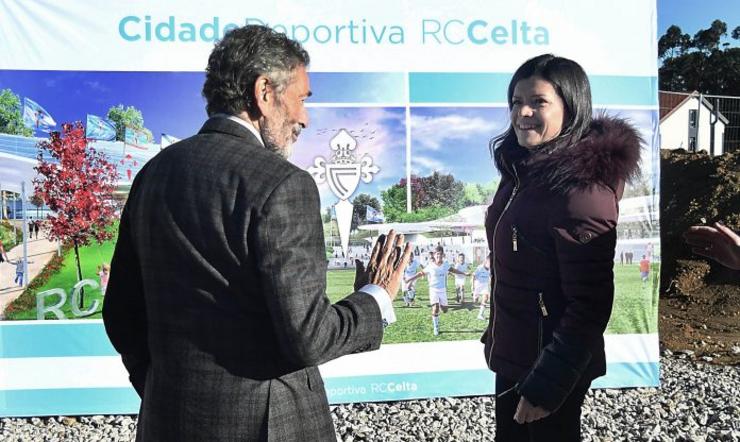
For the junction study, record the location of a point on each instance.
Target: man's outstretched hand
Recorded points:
(719, 243)
(388, 260)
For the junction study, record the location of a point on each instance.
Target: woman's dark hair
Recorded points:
(571, 84)
(239, 58)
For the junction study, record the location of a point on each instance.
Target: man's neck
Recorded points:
(255, 123)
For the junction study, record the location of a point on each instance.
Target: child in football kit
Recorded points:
(436, 272)
(644, 269)
(460, 279)
(482, 286)
(409, 285)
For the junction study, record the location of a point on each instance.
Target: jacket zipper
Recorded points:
(540, 319)
(543, 310)
(493, 256)
(505, 392)
(517, 237)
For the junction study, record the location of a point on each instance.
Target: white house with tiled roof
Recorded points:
(686, 122)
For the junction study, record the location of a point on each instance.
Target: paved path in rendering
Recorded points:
(40, 251)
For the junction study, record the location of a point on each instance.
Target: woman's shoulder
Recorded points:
(594, 199)
(608, 155)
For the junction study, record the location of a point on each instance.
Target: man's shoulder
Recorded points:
(228, 164)
(239, 155)
(216, 143)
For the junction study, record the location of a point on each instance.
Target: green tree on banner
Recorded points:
(394, 201)
(359, 212)
(76, 182)
(123, 117)
(434, 196)
(11, 116)
(441, 190)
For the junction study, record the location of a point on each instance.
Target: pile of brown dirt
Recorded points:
(700, 300)
(694, 189)
(705, 321)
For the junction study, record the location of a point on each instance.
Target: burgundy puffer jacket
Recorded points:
(551, 227)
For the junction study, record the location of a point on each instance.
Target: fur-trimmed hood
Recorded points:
(608, 154)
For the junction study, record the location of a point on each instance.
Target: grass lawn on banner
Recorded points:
(635, 308)
(635, 305)
(90, 258)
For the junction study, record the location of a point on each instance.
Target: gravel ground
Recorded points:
(697, 402)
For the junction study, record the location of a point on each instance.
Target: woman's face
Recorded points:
(537, 112)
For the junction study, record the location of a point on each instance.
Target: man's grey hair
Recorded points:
(240, 58)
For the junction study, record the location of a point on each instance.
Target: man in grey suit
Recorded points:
(216, 299)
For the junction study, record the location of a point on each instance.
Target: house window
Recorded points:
(692, 118)
(692, 144)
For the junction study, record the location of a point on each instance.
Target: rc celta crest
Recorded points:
(343, 175)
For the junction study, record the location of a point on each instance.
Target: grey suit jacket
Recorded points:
(217, 295)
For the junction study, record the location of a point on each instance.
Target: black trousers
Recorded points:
(562, 425)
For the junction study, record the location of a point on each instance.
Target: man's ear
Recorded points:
(263, 94)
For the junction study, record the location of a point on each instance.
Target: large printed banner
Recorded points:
(409, 92)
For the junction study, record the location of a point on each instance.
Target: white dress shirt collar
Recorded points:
(246, 124)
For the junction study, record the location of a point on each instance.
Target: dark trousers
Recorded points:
(562, 425)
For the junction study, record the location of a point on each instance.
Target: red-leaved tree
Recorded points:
(77, 184)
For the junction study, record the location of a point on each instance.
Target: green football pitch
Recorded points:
(634, 311)
(635, 305)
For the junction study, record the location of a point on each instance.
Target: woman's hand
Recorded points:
(526, 412)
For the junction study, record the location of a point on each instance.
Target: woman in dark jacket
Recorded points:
(551, 228)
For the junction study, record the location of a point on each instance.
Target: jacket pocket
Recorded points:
(519, 326)
(519, 240)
